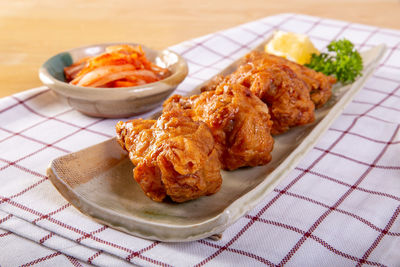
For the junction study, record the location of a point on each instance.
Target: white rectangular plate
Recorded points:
(98, 180)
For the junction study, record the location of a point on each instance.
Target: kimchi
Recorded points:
(118, 66)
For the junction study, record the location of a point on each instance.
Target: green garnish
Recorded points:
(343, 61)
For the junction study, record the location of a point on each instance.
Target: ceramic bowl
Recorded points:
(113, 102)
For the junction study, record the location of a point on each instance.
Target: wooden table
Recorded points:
(32, 31)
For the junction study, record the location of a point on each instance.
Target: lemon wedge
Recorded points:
(293, 46)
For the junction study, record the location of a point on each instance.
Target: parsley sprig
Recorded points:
(343, 61)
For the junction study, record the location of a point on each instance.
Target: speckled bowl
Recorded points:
(113, 102)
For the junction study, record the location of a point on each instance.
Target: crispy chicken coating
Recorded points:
(227, 126)
(319, 84)
(290, 90)
(174, 156)
(285, 94)
(239, 121)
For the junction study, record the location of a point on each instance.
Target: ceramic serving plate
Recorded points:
(98, 180)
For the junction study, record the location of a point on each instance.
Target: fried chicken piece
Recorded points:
(239, 121)
(320, 85)
(279, 87)
(286, 95)
(174, 156)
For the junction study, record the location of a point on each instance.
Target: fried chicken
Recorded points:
(229, 125)
(319, 84)
(290, 90)
(239, 121)
(284, 93)
(174, 156)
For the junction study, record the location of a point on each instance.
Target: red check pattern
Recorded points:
(340, 206)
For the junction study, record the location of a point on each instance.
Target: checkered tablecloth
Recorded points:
(339, 207)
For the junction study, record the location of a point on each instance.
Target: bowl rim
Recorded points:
(144, 90)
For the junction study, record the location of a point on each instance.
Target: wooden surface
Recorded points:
(32, 31)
